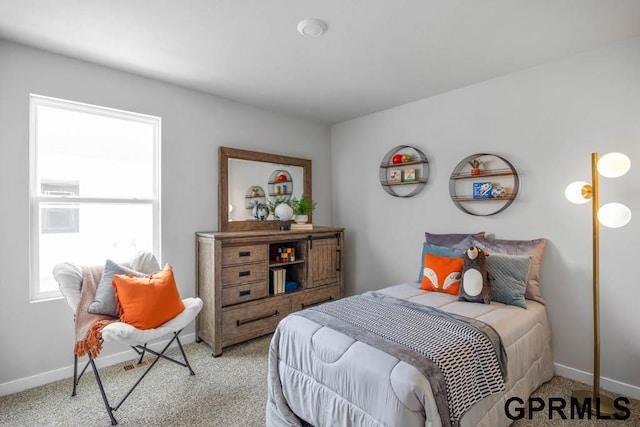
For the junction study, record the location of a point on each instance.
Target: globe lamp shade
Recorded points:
(613, 165)
(573, 192)
(614, 215)
(284, 212)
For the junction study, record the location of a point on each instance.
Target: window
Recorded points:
(59, 218)
(94, 186)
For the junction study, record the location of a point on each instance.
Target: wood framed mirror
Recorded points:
(250, 177)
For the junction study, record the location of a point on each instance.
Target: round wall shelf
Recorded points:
(404, 178)
(486, 191)
(280, 184)
(254, 196)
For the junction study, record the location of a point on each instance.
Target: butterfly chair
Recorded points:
(70, 278)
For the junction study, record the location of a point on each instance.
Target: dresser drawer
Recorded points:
(233, 255)
(243, 274)
(302, 300)
(253, 319)
(243, 293)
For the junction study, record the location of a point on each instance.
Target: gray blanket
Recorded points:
(463, 358)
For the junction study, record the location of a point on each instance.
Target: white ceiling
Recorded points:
(376, 54)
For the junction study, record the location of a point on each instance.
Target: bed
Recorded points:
(323, 377)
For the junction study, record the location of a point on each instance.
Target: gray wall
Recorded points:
(37, 338)
(546, 121)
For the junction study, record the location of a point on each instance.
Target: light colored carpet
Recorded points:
(226, 391)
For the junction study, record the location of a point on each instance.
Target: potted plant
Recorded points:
(302, 208)
(475, 166)
(255, 191)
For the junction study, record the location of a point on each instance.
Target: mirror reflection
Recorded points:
(250, 180)
(254, 184)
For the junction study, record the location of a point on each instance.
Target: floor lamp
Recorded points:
(612, 215)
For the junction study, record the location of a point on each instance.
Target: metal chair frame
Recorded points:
(140, 350)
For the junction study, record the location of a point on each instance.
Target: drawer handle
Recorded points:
(244, 273)
(317, 302)
(255, 319)
(245, 293)
(244, 253)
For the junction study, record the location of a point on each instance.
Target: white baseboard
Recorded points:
(67, 372)
(113, 359)
(608, 384)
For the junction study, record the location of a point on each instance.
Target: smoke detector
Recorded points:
(312, 27)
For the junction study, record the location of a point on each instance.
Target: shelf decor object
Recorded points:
(475, 166)
(284, 212)
(404, 171)
(611, 215)
(483, 184)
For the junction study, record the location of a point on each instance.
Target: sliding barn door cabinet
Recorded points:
(250, 280)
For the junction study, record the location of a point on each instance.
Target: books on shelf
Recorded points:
(277, 280)
(409, 175)
(307, 226)
(482, 190)
(395, 176)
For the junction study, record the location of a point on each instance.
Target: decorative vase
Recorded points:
(302, 219)
(284, 212)
(260, 211)
(475, 171)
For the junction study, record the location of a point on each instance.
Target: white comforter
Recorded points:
(329, 379)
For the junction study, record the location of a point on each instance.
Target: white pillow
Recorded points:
(69, 278)
(145, 262)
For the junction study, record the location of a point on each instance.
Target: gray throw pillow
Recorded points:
(105, 299)
(456, 241)
(508, 278)
(533, 248)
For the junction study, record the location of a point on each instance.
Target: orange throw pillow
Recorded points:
(441, 274)
(147, 302)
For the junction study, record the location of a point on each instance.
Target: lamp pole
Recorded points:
(595, 205)
(600, 405)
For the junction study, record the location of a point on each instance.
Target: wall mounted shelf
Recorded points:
(404, 179)
(280, 184)
(254, 196)
(491, 197)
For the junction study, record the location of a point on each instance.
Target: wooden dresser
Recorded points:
(236, 283)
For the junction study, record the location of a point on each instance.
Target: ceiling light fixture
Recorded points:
(312, 27)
